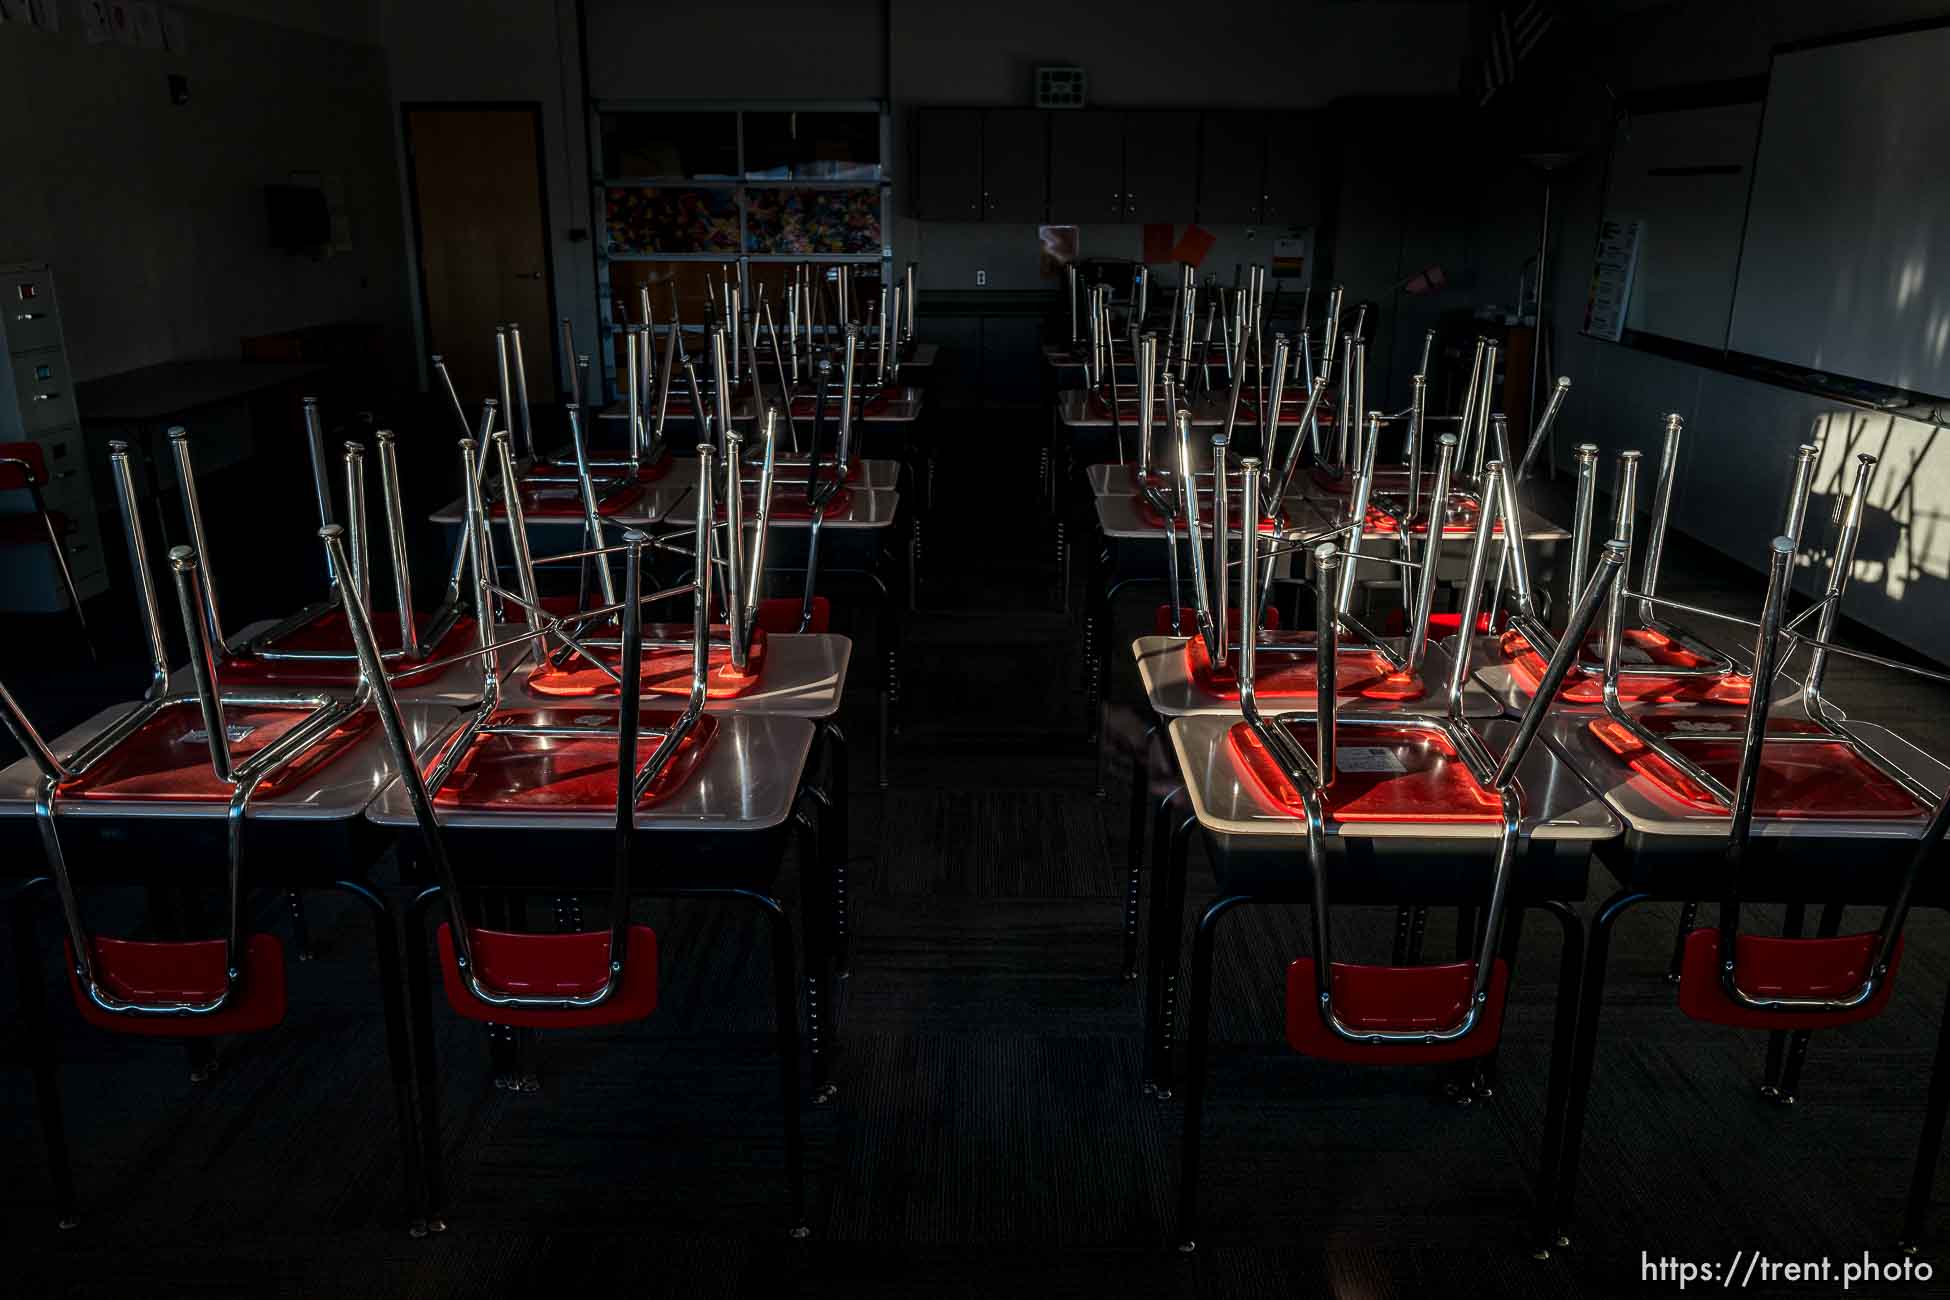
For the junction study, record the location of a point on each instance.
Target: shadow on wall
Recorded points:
(1902, 526)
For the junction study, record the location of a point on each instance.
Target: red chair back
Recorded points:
(192, 971)
(1790, 968)
(31, 469)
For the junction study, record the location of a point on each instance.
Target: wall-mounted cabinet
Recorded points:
(1015, 164)
(1086, 167)
(1160, 166)
(1258, 169)
(980, 164)
(1292, 192)
(1098, 165)
(948, 164)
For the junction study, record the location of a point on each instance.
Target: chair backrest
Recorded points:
(1311, 775)
(95, 975)
(1774, 643)
(632, 779)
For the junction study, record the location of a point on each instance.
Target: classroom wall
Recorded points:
(1741, 434)
(152, 214)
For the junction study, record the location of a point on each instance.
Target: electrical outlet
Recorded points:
(981, 279)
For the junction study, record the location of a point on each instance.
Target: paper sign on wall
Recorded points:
(1611, 277)
(1291, 253)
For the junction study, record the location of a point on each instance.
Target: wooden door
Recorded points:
(948, 164)
(483, 234)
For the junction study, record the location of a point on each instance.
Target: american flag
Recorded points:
(1515, 30)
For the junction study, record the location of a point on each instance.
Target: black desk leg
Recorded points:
(1788, 1082)
(399, 1053)
(1688, 915)
(839, 844)
(1564, 1024)
(1169, 852)
(294, 903)
(1770, 1074)
(37, 1037)
(785, 1014)
(1197, 1033)
(1134, 847)
(1475, 1079)
(815, 919)
(1558, 1211)
(890, 681)
(1930, 1146)
(419, 999)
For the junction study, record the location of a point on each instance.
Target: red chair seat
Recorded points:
(1188, 620)
(554, 500)
(1643, 651)
(665, 670)
(504, 772)
(1776, 967)
(329, 634)
(1806, 778)
(552, 965)
(1386, 774)
(139, 971)
(564, 471)
(1207, 508)
(167, 758)
(1440, 625)
(1278, 673)
(1393, 998)
(779, 616)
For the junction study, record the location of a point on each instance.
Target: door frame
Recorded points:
(533, 108)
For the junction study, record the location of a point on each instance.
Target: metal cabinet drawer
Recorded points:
(28, 316)
(42, 389)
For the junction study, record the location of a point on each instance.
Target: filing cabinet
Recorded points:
(37, 405)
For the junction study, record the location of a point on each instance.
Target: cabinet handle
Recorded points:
(31, 315)
(48, 396)
(64, 473)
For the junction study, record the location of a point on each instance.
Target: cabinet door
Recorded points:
(1160, 166)
(1086, 172)
(948, 164)
(1231, 155)
(1291, 194)
(1015, 164)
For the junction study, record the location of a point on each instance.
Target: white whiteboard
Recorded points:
(1845, 267)
(1683, 176)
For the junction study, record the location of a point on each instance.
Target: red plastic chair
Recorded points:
(23, 468)
(513, 757)
(185, 989)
